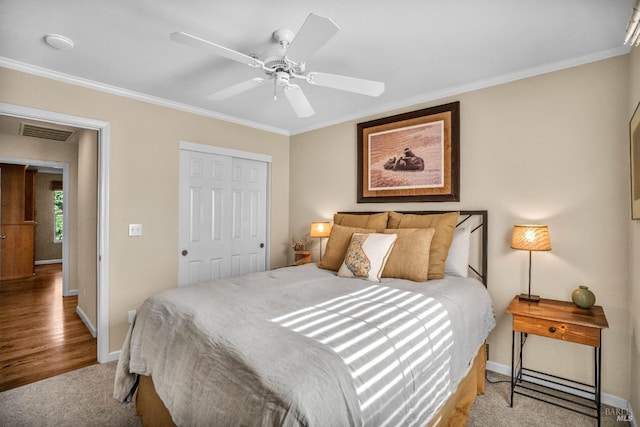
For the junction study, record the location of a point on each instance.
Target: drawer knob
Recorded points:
(552, 329)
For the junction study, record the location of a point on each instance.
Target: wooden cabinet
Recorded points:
(30, 195)
(17, 195)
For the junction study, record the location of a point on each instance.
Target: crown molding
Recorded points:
(407, 102)
(114, 90)
(470, 87)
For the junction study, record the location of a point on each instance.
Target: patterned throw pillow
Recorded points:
(337, 246)
(366, 256)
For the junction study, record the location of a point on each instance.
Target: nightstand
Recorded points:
(563, 321)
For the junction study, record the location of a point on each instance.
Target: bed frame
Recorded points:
(455, 411)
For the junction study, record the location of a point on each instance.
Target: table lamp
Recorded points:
(530, 238)
(320, 229)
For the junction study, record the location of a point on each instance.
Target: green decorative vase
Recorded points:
(583, 297)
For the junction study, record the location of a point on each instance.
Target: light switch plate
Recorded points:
(135, 229)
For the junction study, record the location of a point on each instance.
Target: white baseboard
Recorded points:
(86, 321)
(113, 356)
(48, 261)
(607, 399)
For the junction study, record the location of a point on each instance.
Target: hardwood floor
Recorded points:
(41, 335)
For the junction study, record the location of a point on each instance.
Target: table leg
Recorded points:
(598, 378)
(513, 358)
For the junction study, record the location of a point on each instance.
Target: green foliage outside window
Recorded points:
(57, 215)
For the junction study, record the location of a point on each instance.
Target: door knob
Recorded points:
(2, 237)
(261, 245)
(185, 252)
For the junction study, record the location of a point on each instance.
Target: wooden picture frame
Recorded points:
(410, 157)
(634, 142)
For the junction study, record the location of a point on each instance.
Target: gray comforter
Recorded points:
(301, 346)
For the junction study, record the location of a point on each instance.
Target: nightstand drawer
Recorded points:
(554, 329)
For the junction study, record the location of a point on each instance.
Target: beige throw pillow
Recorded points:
(376, 221)
(409, 258)
(444, 225)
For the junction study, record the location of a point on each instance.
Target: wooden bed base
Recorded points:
(455, 411)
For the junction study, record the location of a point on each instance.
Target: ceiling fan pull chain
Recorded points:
(275, 93)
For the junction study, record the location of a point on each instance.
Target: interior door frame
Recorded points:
(65, 213)
(102, 258)
(220, 151)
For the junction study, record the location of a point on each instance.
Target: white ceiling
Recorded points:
(421, 49)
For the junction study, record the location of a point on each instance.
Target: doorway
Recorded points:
(63, 169)
(102, 231)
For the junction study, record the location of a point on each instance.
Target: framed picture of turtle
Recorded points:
(410, 157)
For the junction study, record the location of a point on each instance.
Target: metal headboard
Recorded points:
(478, 220)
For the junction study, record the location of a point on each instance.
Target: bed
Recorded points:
(309, 345)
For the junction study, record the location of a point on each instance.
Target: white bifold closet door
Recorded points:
(223, 217)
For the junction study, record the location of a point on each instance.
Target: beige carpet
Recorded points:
(79, 398)
(492, 409)
(84, 398)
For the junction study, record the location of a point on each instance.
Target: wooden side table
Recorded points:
(301, 257)
(563, 321)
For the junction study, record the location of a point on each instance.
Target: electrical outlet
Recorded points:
(135, 230)
(132, 316)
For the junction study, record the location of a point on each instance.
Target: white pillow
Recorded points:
(366, 256)
(457, 263)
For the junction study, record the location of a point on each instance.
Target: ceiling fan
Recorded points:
(285, 61)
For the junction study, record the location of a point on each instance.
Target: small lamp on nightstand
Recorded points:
(320, 229)
(530, 238)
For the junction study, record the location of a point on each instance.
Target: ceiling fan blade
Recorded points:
(191, 40)
(349, 84)
(314, 33)
(236, 89)
(298, 101)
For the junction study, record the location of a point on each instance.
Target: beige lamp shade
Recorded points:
(531, 238)
(320, 229)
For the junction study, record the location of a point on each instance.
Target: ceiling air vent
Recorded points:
(44, 133)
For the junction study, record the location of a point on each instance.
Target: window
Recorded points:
(58, 206)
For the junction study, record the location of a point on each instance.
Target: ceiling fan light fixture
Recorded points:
(281, 78)
(59, 42)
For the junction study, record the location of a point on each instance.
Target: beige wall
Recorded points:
(143, 186)
(19, 147)
(87, 223)
(46, 248)
(550, 149)
(634, 299)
